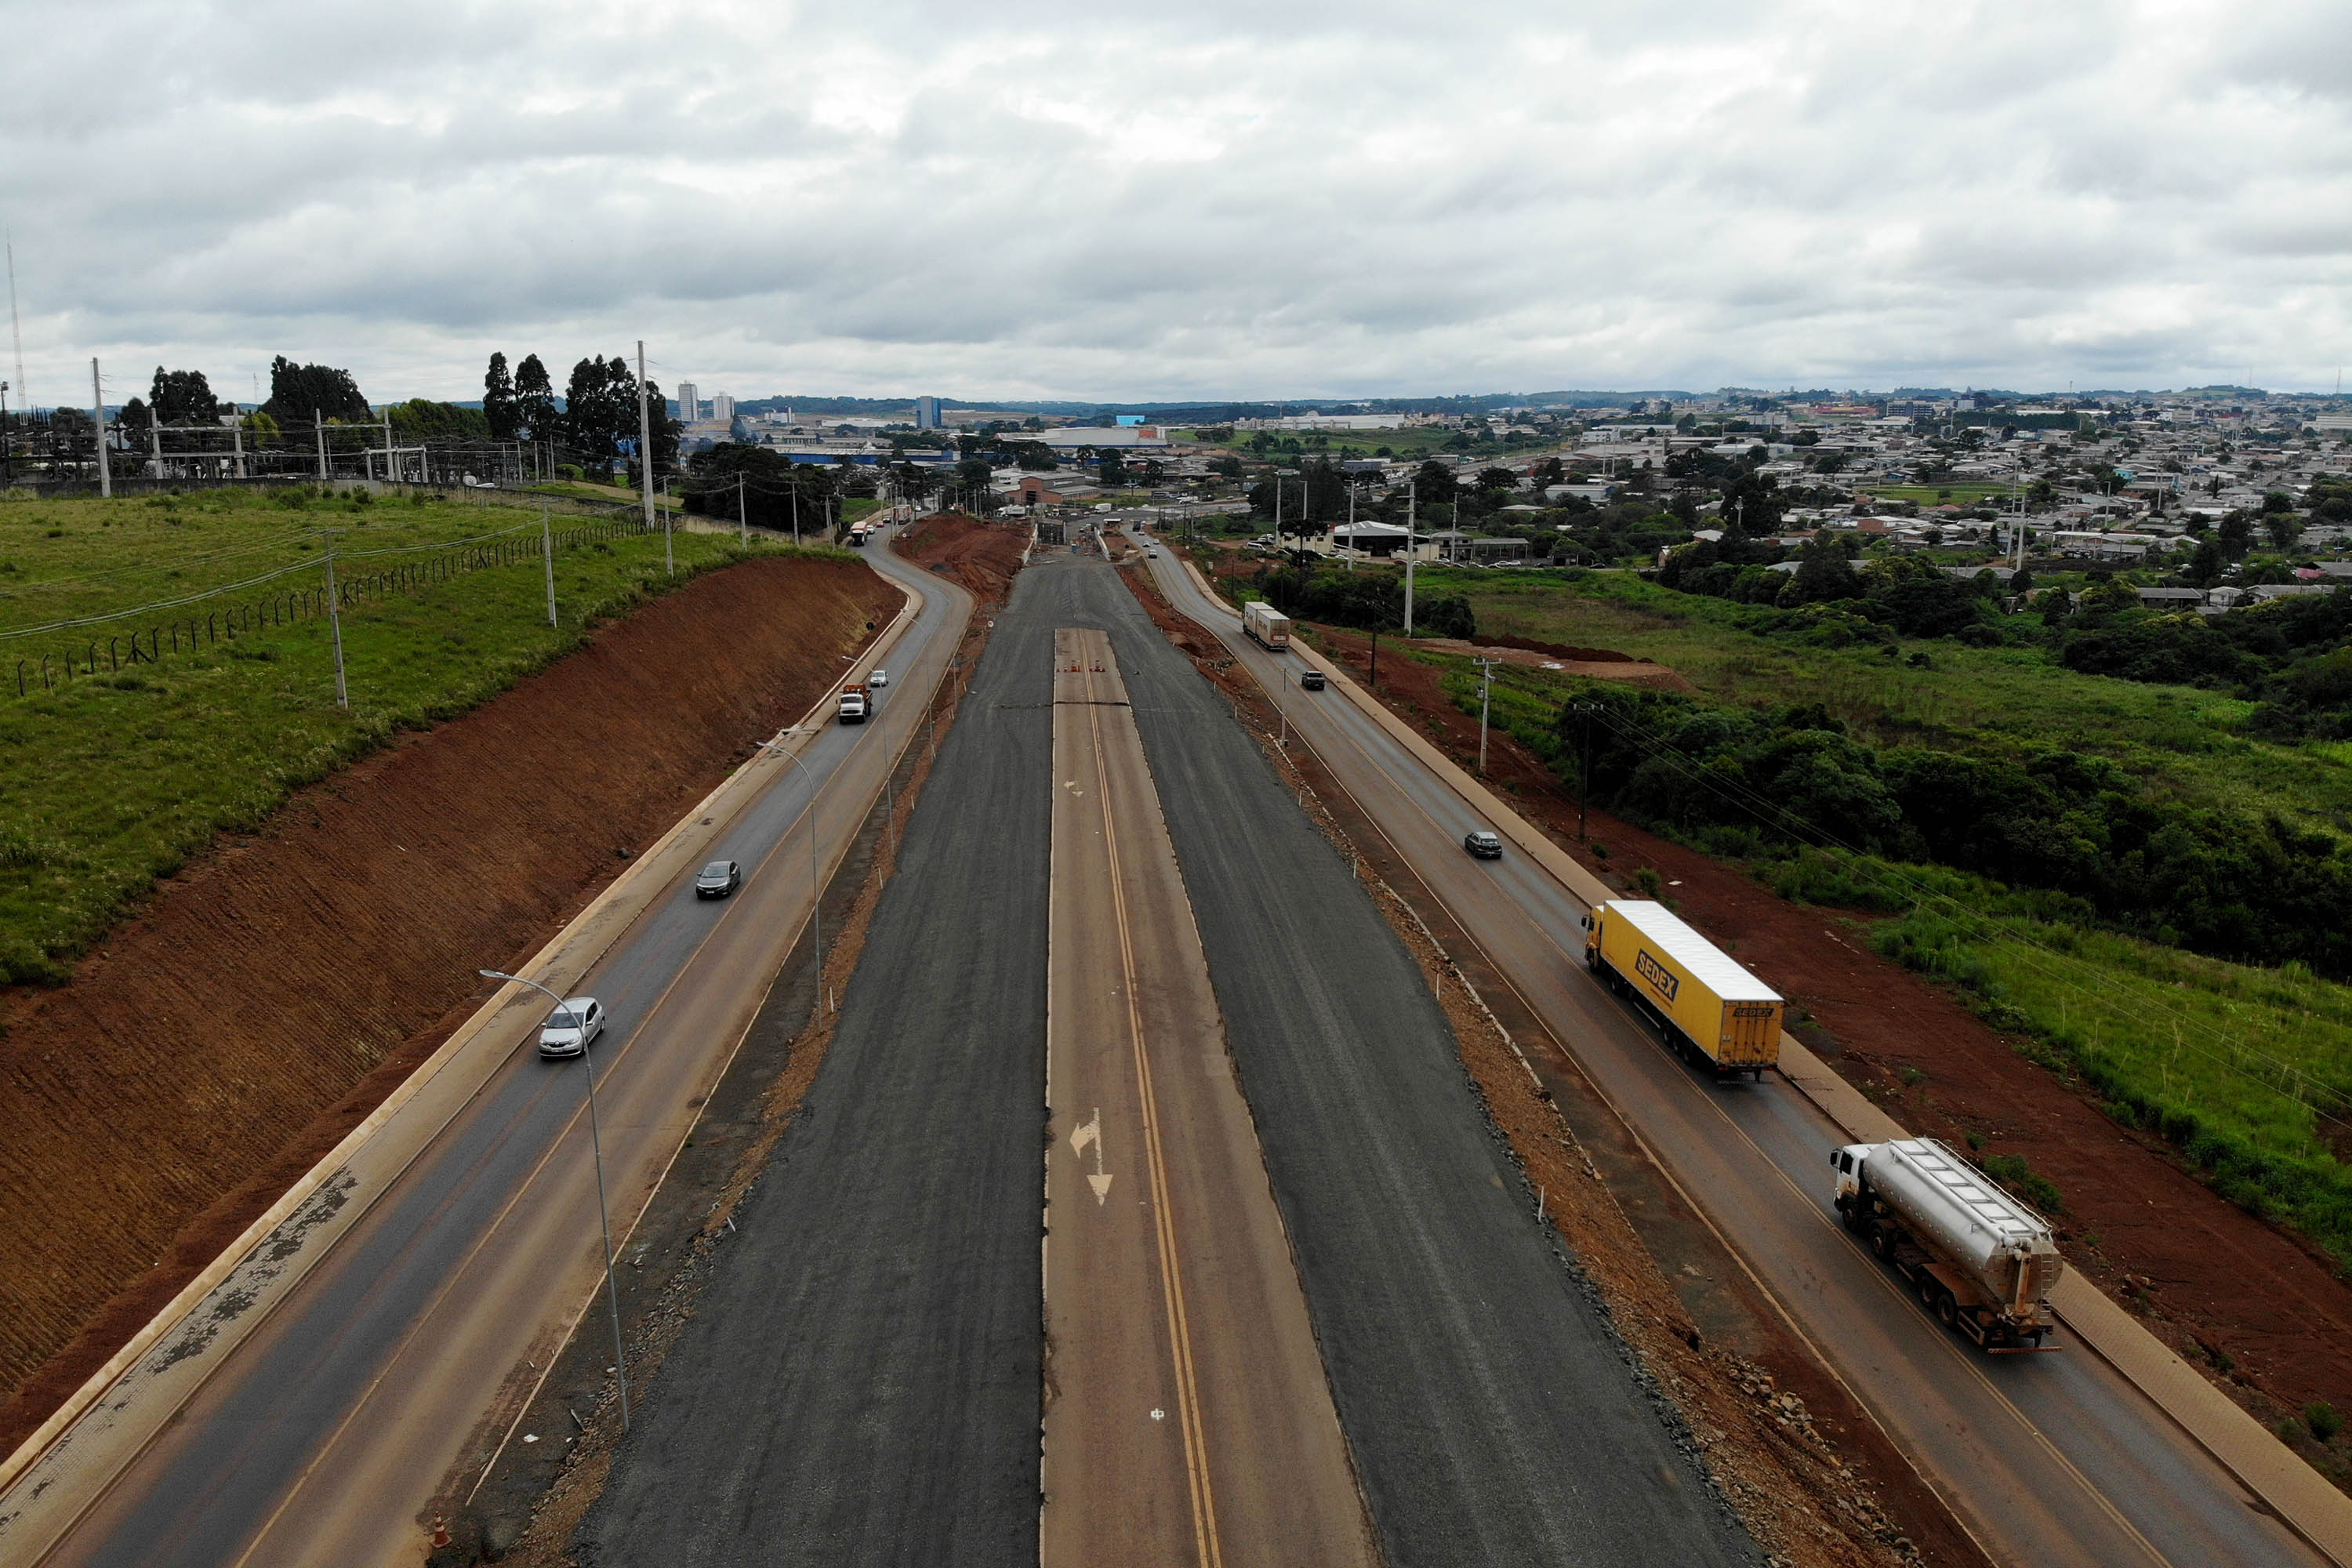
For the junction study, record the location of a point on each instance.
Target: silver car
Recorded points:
(878, 679)
(572, 1028)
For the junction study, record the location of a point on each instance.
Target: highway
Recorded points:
(379, 1387)
(1187, 1417)
(863, 1379)
(1490, 1412)
(2049, 1459)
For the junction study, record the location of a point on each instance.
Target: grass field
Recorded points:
(2248, 1070)
(2181, 743)
(108, 781)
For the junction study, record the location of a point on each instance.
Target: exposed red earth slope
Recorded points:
(269, 996)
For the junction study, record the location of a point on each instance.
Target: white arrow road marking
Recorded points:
(1080, 1136)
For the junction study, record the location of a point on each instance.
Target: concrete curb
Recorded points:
(572, 952)
(2266, 1467)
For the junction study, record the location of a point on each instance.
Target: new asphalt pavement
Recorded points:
(860, 1384)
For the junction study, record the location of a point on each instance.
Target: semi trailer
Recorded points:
(1978, 1259)
(1696, 995)
(1269, 625)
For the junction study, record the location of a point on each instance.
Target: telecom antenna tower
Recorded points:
(23, 397)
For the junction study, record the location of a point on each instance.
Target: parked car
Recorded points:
(1484, 844)
(572, 1028)
(1311, 681)
(879, 679)
(717, 879)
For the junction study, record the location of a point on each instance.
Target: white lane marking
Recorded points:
(1080, 1137)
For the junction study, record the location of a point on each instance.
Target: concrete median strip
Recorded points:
(2297, 1494)
(74, 1456)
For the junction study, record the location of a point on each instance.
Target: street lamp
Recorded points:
(597, 1142)
(816, 886)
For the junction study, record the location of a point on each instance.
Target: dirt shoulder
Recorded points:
(1810, 1473)
(983, 556)
(302, 971)
(2264, 1317)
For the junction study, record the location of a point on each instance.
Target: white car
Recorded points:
(878, 679)
(572, 1028)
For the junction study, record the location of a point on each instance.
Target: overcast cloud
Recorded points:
(1293, 200)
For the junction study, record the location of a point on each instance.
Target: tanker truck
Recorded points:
(1979, 1259)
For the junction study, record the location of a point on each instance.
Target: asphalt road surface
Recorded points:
(2050, 1459)
(1187, 1418)
(1493, 1417)
(394, 1368)
(860, 1383)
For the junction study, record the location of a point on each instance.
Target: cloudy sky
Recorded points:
(1251, 200)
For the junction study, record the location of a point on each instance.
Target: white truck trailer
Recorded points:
(1269, 625)
(1979, 1259)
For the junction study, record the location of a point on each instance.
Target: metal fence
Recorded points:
(62, 663)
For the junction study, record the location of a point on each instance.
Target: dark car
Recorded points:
(1483, 844)
(1311, 681)
(717, 879)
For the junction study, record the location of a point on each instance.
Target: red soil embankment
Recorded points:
(269, 996)
(983, 556)
(2254, 1307)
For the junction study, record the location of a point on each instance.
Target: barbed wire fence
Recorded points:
(90, 654)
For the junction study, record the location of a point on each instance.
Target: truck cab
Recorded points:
(857, 705)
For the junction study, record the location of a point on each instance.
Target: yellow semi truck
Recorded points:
(1697, 997)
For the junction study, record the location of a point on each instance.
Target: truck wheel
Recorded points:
(1882, 1241)
(1948, 1309)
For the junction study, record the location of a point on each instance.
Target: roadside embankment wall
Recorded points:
(271, 994)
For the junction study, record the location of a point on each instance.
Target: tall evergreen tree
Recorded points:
(534, 396)
(183, 397)
(300, 393)
(498, 400)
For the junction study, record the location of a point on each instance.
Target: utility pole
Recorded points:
(155, 437)
(391, 473)
(1412, 500)
(335, 621)
(319, 421)
(98, 425)
(547, 553)
(742, 518)
(1584, 773)
(1485, 697)
(646, 460)
(1351, 525)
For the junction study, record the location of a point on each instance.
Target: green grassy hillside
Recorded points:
(110, 779)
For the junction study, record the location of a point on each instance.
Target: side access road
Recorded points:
(362, 1366)
(2049, 1459)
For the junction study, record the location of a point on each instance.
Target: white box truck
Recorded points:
(1978, 1260)
(1267, 625)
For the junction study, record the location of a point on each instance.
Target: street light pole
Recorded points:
(1486, 694)
(597, 1142)
(816, 886)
